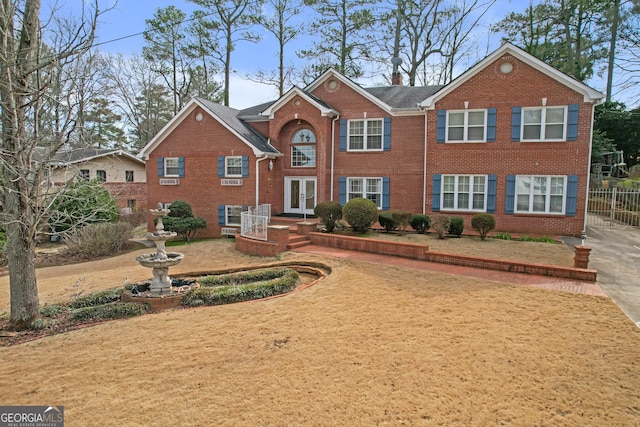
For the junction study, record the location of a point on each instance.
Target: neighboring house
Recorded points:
(121, 173)
(511, 136)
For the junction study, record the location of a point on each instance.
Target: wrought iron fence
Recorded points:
(613, 206)
(253, 226)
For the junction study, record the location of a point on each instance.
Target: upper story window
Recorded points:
(464, 192)
(303, 149)
(365, 135)
(128, 176)
(233, 166)
(101, 175)
(466, 126)
(544, 123)
(540, 194)
(171, 166)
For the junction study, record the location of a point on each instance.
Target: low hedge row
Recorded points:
(227, 294)
(114, 310)
(243, 277)
(96, 298)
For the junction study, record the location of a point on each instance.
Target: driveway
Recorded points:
(616, 255)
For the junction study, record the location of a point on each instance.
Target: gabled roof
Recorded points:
(68, 157)
(589, 94)
(325, 110)
(226, 116)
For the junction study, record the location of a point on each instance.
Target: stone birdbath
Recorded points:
(161, 260)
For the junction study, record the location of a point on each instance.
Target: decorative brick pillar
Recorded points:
(581, 259)
(305, 228)
(278, 235)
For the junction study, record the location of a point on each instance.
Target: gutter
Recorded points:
(333, 153)
(424, 168)
(586, 198)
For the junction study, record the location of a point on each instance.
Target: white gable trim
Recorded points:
(293, 92)
(97, 156)
(179, 118)
(332, 72)
(589, 94)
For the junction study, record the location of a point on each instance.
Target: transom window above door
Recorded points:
(303, 149)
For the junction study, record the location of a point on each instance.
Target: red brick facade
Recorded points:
(201, 135)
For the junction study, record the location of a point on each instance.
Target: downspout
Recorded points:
(258, 160)
(333, 153)
(424, 168)
(586, 198)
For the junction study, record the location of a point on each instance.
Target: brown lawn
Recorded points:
(371, 344)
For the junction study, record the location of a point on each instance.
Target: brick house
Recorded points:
(510, 136)
(120, 172)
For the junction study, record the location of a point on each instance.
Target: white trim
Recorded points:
(292, 93)
(543, 123)
(365, 136)
(164, 167)
(465, 127)
(547, 195)
(226, 165)
(226, 215)
(364, 180)
(287, 194)
(589, 94)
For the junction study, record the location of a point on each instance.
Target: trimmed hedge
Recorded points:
(243, 277)
(116, 310)
(456, 227)
(97, 298)
(420, 223)
(228, 294)
(387, 221)
(483, 223)
(329, 213)
(360, 213)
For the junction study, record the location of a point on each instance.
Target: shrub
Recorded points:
(116, 310)
(98, 240)
(243, 278)
(420, 223)
(440, 224)
(457, 226)
(360, 213)
(228, 294)
(135, 218)
(52, 310)
(483, 223)
(329, 213)
(543, 239)
(402, 218)
(181, 220)
(503, 236)
(387, 221)
(97, 298)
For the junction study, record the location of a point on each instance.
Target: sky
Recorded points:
(120, 29)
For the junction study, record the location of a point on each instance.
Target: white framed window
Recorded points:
(365, 135)
(467, 126)
(544, 123)
(540, 194)
(233, 166)
(303, 156)
(367, 188)
(233, 215)
(464, 193)
(171, 166)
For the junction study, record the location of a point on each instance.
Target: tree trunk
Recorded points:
(612, 47)
(25, 304)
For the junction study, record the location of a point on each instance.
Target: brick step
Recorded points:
(296, 245)
(297, 241)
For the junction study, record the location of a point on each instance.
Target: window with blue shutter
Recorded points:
(572, 195)
(441, 129)
(181, 167)
(221, 214)
(387, 134)
(491, 193)
(245, 166)
(510, 194)
(160, 166)
(342, 190)
(343, 134)
(491, 124)
(436, 180)
(516, 119)
(385, 193)
(220, 166)
(572, 122)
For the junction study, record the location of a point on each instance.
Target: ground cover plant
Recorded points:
(372, 344)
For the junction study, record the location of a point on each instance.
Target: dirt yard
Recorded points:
(370, 345)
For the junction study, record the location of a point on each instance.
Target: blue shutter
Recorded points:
(245, 166)
(516, 119)
(511, 193)
(220, 166)
(160, 166)
(491, 125)
(343, 135)
(342, 190)
(572, 195)
(441, 130)
(572, 122)
(387, 134)
(491, 193)
(385, 193)
(221, 215)
(181, 167)
(436, 179)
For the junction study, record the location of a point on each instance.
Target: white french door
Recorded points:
(299, 195)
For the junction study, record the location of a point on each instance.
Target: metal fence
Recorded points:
(254, 222)
(611, 206)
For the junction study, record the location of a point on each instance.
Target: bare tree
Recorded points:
(25, 82)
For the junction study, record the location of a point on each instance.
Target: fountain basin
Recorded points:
(152, 261)
(160, 235)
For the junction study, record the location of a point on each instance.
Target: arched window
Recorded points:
(303, 149)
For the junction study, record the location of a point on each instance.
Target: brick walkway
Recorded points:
(545, 282)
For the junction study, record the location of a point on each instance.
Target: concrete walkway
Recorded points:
(553, 283)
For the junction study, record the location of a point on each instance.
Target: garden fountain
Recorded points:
(161, 260)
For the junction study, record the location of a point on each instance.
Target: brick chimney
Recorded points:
(396, 79)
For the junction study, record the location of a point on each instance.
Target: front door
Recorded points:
(300, 195)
